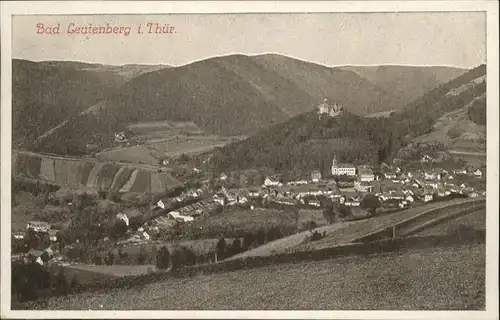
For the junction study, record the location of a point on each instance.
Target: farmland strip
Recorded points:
(92, 181)
(126, 187)
(47, 170)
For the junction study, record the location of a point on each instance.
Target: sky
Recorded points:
(409, 38)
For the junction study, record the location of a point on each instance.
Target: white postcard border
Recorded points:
(152, 7)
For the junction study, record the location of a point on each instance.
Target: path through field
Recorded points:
(283, 244)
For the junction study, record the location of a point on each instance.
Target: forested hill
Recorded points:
(228, 95)
(46, 93)
(308, 142)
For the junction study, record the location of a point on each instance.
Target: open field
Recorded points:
(284, 244)
(152, 126)
(186, 145)
(475, 220)
(156, 145)
(365, 227)
(237, 222)
(132, 154)
(110, 271)
(83, 274)
(450, 278)
(382, 114)
(199, 247)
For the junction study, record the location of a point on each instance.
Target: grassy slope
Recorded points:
(348, 234)
(355, 93)
(475, 220)
(406, 82)
(426, 279)
(49, 92)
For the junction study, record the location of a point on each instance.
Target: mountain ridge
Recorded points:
(227, 95)
(308, 141)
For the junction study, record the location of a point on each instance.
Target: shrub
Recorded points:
(221, 249)
(163, 258)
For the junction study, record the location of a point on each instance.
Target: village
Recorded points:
(345, 184)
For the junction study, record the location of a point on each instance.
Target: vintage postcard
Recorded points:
(250, 159)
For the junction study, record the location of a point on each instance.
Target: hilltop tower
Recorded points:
(334, 162)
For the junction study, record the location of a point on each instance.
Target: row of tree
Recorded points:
(31, 280)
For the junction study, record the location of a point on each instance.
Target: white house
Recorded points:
(315, 203)
(254, 193)
(38, 226)
(363, 187)
(478, 173)
(272, 181)
(390, 175)
(352, 203)
(223, 176)
(366, 174)
(242, 200)
(342, 169)
(123, 217)
(18, 235)
(426, 158)
(432, 175)
(53, 235)
(460, 171)
(177, 216)
(428, 197)
(316, 176)
(160, 204)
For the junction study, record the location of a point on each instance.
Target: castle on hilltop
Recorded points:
(330, 110)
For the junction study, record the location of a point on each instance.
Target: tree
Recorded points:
(247, 240)
(220, 249)
(118, 229)
(141, 259)
(163, 258)
(329, 211)
(110, 258)
(74, 283)
(371, 203)
(235, 247)
(188, 256)
(261, 237)
(60, 282)
(176, 260)
(311, 225)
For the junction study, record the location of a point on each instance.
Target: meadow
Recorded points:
(236, 222)
(448, 278)
(365, 227)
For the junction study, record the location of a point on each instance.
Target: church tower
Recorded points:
(335, 169)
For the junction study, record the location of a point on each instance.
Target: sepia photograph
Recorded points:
(286, 157)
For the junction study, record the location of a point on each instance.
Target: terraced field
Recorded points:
(81, 173)
(447, 278)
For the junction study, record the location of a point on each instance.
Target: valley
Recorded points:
(234, 162)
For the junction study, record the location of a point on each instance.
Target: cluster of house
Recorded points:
(38, 256)
(393, 187)
(38, 227)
